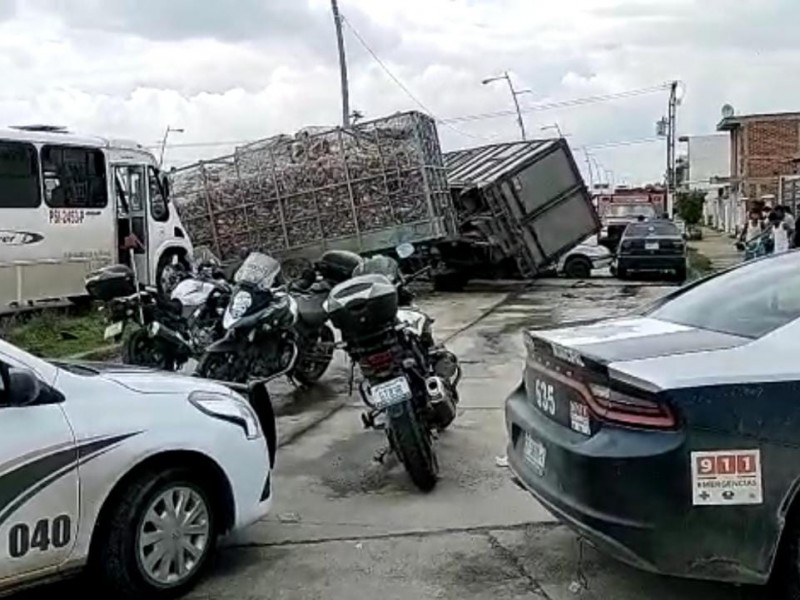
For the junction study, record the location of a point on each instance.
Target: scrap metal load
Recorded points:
(365, 188)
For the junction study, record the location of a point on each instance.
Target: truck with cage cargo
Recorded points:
(366, 189)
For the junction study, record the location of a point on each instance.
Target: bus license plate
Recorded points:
(113, 330)
(391, 392)
(535, 453)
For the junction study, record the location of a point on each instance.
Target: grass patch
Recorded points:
(699, 264)
(55, 333)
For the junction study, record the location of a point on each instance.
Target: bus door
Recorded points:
(130, 182)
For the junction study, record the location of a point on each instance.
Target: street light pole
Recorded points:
(167, 131)
(337, 19)
(514, 94)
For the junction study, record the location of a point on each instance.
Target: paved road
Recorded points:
(346, 527)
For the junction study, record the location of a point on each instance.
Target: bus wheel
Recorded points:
(172, 269)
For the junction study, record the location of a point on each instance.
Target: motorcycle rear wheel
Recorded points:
(142, 350)
(414, 447)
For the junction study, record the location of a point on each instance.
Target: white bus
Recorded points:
(71, 204)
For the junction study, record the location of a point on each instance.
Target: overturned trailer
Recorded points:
(520, 206)
(366, 188)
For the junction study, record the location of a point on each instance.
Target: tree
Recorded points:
(689, 206)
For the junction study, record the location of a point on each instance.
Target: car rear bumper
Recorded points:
(651, 263)
(628, 493)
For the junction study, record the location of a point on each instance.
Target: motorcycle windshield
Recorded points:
(379, 265)
(259, 270)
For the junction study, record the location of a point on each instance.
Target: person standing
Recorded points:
(779, 230)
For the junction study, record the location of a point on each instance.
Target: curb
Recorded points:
(306, 425)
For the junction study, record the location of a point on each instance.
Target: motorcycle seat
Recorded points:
(310, 309)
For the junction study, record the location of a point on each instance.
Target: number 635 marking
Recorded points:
(56, 533)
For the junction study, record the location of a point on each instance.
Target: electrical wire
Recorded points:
(403, 86)
(560, 104)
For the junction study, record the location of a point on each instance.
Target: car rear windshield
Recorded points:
(750, 301)
(663, 228)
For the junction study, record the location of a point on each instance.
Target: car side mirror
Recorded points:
(24, 388)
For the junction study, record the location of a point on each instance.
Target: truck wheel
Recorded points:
(159, 537)
(578, 267)
(451, 281)
(172, 268)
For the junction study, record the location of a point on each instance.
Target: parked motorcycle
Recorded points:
(270, 331)
(168, 331)
(410, 382)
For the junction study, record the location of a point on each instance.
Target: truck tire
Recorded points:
(414, 448)
(578, 267)
(450, 281)
(128, 565)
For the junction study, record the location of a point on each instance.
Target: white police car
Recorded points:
(130, 472)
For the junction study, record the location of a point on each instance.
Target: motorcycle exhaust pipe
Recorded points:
(157, 330)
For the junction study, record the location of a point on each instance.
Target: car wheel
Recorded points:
(680, 274)
(622, 273)
(578, 267)
(159, 536)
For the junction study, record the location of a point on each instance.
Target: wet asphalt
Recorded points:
(345, 527)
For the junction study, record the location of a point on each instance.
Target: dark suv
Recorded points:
(654, 246)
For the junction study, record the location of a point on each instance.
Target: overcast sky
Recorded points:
(245, 69)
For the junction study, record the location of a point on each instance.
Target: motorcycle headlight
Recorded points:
(228, 408)
(241, 302)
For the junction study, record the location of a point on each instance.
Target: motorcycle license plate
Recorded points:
(391, 392)
(113, 330)
(535, 453)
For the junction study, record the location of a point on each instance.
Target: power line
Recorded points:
(400, 84)
(559, 104)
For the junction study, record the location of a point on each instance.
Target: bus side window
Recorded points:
(158, 202)
(74, 177)
(19, 176)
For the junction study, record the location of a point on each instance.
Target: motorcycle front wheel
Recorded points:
(315, 360)
(221, 366)
(414, 447)
(144, 351)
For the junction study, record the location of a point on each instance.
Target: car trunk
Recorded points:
(570, 374)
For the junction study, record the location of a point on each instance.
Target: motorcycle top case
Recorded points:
(363, 306)
(338, 265)
(114, 281)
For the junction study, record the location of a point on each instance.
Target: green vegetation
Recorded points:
(689, 206)
(55, 333)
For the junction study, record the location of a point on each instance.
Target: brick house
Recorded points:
(763, 147)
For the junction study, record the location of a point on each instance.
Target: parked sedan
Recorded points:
(579, 262)
(670, 438)
(131, 472)
(652, 246)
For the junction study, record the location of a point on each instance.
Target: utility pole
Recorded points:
(589, 168)
(671, 145)
(514, 94)
(337, 19)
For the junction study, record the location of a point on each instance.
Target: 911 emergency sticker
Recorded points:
(726, 477)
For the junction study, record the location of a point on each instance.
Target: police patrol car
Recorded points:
(129, 472)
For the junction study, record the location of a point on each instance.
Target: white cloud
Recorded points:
(247, 69)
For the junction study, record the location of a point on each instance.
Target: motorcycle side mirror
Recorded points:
(405, 250)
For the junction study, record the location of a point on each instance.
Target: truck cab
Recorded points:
(71, 204)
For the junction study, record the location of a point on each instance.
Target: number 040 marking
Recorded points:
(46, 534)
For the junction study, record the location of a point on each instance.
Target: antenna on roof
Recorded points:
(41, 128)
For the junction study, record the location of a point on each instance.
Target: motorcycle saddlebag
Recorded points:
(114, 281)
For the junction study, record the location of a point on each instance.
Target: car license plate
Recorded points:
(651, 246)
(535, 453)
(391, 392)
(113, 330)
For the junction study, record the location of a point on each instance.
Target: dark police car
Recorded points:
(671, 439)
(652, 246)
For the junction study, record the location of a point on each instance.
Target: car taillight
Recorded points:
(614, 406)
